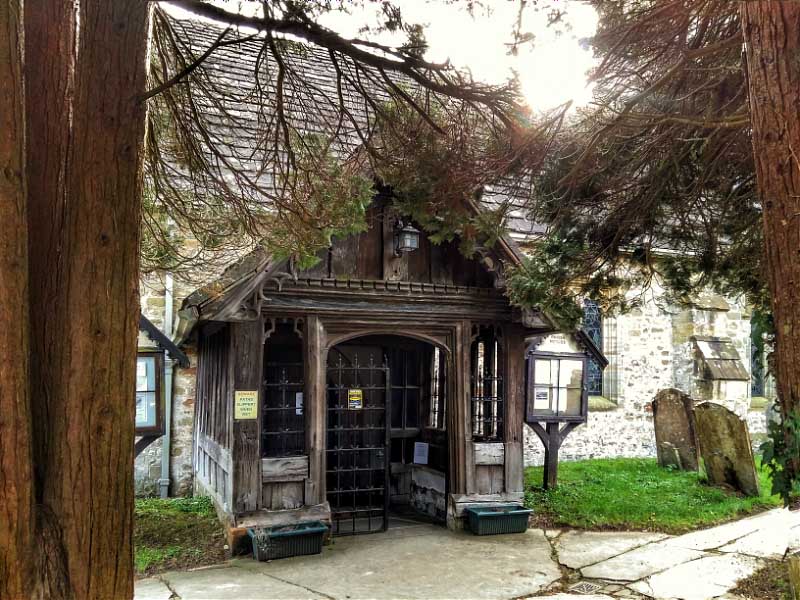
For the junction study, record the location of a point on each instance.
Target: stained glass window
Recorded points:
(757, 359)
(593, 327)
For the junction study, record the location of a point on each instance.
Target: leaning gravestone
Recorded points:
(676, 437)
(725, 448)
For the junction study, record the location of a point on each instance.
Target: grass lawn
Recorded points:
(631, 493)
(176, 533)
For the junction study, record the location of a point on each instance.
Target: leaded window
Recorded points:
(593, 327)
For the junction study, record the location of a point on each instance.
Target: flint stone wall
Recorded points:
(653, 352)
(147, 467)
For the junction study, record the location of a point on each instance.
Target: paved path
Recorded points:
(425, 561)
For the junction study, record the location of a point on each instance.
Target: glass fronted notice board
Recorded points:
(557, 385)
(148, 392)
(556, 380)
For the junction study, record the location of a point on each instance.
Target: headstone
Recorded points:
(676, 437)
(725, 448)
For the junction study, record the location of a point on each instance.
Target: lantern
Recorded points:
(406, 238)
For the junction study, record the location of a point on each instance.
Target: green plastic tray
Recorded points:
(499, 518)
(287, 540)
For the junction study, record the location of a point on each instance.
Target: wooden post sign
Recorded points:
(245, 405)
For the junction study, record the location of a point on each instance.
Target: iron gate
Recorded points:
(357, 465)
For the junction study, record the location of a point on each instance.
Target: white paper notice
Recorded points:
(420, 453)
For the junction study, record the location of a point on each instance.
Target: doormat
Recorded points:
(585, 587)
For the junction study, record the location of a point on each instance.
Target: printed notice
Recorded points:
(420, 453)
(355, 399)
(245, 404)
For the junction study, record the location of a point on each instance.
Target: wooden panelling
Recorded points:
(458, 502)
(246, 351)
(489, 479)
(217, 453)
(489, 453)
(370, 255)
(316, 404)
(459, 439)
(213, 387)
(212, 457)
(261, 518)
(514, 337)
(293, 468)
(283, 496)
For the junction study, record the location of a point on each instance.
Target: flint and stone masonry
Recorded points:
(650, 349)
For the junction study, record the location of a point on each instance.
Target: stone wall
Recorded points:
(147, 467)
(652, 350)
(183, 402)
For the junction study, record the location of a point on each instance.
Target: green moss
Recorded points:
(636, 494)
(759, 403)
(176, 533)
(601, 404)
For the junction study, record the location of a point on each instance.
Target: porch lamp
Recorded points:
(406, 238)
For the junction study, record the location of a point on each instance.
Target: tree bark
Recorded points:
(88, 486)
(85, 184)
(772, 38)
(16, 481)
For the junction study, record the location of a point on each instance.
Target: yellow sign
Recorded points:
(355, 399)
(245, 404)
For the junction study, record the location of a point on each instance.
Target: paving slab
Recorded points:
(769, 542)
(151, 589)
(702, 579)
(230, 583)
(721, 535)
(579, 597)
(577, 549)
(440, 564)
(641, 562)
(794, 539)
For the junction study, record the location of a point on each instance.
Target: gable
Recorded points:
(370, 255)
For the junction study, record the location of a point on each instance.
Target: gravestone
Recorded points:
(676, 437)
(725, 448)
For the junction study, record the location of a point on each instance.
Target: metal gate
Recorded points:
(357, 466)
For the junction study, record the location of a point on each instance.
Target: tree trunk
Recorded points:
(86, 136)
(772, 37)
(50, 30)
(16, 481)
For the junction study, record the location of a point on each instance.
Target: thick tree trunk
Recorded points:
(50, 30)
(49, 80)
(87, 133)
(772, 38)
(16, 481)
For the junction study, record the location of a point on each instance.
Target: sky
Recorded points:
(551, 71)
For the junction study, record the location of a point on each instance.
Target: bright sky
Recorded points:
(552, 70)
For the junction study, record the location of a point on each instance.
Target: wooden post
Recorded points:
(552, 438)
(316, 408)
(551, 456)
(459, 434)
(794, 576)
(514, 352)
(247, 348)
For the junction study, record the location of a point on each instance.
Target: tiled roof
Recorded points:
(237, 114)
